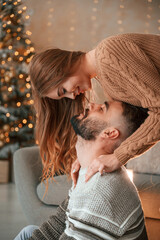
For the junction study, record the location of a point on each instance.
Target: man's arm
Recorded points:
(54, 227)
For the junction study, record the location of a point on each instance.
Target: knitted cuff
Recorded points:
(121, 156)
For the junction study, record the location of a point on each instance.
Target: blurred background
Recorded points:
(30, 26)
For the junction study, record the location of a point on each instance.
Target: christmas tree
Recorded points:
(16, 51)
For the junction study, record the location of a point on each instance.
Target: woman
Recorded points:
(127, 67)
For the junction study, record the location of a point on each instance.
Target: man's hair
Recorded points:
(134, 116)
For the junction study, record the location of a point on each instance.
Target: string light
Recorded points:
(20, 75)
(20, 59)
(72, 25)
(8, 140)
(10, 89)
(120, 16)
(28, 85)
(12, 15)
(18, 38)
(18, 104)
(28, 95)
(94, 24)
(16, 53)
(28, 33)
(16, 129)
(7, 114)
(30, 125)
(28, 41)
(148, 17)
(24, 8)
(24, 121)
(10, 47)
(27, 17)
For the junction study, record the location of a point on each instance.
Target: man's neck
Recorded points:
(87, 151)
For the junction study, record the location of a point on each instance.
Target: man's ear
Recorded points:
(110, 133)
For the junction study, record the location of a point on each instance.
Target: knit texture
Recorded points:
(54, 227)
(128, 68)
(106, 207)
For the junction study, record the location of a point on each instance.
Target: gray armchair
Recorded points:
(27, 171)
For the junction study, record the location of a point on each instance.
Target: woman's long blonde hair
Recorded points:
(54, 133)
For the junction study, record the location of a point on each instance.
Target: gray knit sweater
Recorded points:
(106, 207)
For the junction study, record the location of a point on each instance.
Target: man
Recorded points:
(107, 206)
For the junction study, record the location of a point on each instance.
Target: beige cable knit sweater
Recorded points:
(128, 68)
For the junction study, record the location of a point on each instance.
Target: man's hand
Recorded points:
(104, 163)
(75, 171)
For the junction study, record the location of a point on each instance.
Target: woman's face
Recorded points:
(71, 87)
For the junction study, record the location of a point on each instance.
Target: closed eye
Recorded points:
(64, 91)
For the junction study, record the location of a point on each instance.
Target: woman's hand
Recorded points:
(104, 163)
(75, 171)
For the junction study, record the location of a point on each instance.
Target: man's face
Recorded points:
(97, 118)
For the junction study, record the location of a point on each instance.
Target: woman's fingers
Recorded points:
(104, 163)
(92, 169)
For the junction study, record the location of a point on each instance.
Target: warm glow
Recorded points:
(18, 104)
(24, 121)
(28, 95)
(10, 47)
(16, 53)
(130, 174)
(30, 125)
(10, 89)
(7, 114)
(28, 41)
(21, 59)
(28, 85)
(16, 129)
(20, 75)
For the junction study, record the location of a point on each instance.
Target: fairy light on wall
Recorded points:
(120, 20)
(49, 21)
(72, 25)
(94, 23)
(148, 16)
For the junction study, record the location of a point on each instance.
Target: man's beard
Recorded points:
(88, 128)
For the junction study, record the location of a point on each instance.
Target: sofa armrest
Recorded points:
(27, 171)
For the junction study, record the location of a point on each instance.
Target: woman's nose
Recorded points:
(71, 95)
(93, 106)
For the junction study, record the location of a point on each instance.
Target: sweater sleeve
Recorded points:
(54, 227)
(129, 69)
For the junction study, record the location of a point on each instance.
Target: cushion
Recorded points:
(149, 162)
(149, 190)
(57, 191)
